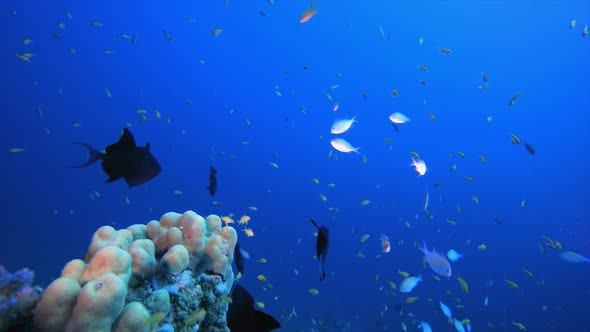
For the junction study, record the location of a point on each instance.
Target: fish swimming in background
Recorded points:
(308, 14)
(212, 181)
(124, 160)
(454, 255)
(409, 283)
(436, 261)
(321, 247)
(573, 257)
(239, 258)
(242, 316)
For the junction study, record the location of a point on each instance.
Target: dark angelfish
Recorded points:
(321, 247)
(242, 316)
(239, 259)
(212, 181)
(125, 160)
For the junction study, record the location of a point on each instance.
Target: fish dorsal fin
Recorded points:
(126, 142)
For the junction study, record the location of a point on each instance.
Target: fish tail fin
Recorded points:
(93, 156)
(315, 224)
(357, 150)
(424, 247)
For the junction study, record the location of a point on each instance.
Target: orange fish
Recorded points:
(308, 14)
(385, 245)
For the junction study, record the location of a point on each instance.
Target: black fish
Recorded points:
(125, 160)
(243, 317)
(529, 148)
(321, 247)
(212, 181)
(239, 259)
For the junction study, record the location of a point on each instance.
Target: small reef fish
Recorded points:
(454, 256)
(530, 149)
(445, 310)
(385, 245)
(343, 145)
(437, 262)
(212, 181)
(419, 166)
(573, 257)
(126, 160)
(409, 284)
(308, 14)
(342, 126)
(322, 245)
(239, 256)
(398, 118)
(425, 327)
(458, 325)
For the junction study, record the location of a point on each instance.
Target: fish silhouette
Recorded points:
(321, 247)
(212, 181)
(242, 316)
(124, 159)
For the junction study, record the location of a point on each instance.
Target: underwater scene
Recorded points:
(304, 166)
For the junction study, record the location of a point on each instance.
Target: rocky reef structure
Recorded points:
(169, 275)
(18, 297)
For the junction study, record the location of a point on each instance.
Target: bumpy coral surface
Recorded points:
(170, 275)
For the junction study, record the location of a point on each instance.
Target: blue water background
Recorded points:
(48, 216)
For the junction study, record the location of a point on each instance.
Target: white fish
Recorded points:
(573, 257)
(420, 41)
(419, 165)
(342, 126)
(409, 283)
(445, 310)
(398, 118)
(343, 145)
(425, 327)
(458, 325)
(454, 256)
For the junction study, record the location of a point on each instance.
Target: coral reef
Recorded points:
(169, 275)
(18, 296)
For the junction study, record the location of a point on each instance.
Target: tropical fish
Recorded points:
(425, 327)
(385, 245)
(573, 257)
(242, 316)
(419, 165)
(342, 126)
(458, 325)
(322, 245)
(409, 283)
(453, 255)
(239, 256)
(445, 310)
(343, 145)
(530, 149)
(445, 50)
(437, 262)
(464, 285)
(212, 181)
(512, 100)
(126, 160)
(308, 14)
(572, 24)
(398, 118)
